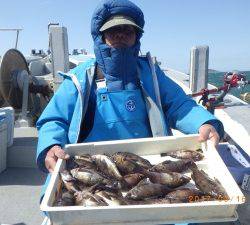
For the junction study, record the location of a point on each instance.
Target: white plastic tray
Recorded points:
(208, 211)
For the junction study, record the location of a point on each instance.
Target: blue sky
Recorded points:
(172, 28)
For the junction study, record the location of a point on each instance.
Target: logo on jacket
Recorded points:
(130, 105)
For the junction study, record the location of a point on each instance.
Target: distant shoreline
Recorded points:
(216, 71)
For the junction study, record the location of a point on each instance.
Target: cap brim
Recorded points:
(119, 21)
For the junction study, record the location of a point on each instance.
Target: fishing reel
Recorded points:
(231, 80)
(235, 79)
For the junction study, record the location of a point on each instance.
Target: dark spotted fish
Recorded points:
(66, 199)
(88, 177)
(113, 186)
(185, 154)
(84, 161)
(71, 164)
(184, 195)
(69, 182)
(107, 166)
(111, 198)
(125, 162)
(207, 185)
(151, 201)
(172, 166)
(147, 189)
(132, 179)
(88, 199)
(171, 179)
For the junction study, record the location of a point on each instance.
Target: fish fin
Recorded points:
(199, 150)
(193, 166)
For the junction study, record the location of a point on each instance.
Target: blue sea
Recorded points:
(216, 78)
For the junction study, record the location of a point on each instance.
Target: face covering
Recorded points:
(118, 65)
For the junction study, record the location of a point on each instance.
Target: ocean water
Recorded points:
(217, 80)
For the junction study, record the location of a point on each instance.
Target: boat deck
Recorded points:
(19, 190)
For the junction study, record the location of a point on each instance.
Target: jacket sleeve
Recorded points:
(53, 124)
(182, 112)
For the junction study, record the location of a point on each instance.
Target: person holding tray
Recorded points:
(119, 94)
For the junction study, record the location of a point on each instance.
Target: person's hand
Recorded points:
(55, 152)
(208, 132)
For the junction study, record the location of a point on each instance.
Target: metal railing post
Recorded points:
(58, 39)
(198, 68)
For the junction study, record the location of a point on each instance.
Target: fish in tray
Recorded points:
(172, 166)
(184, 195)
(84, 161)
(171, 179)
(69, 182)
(209, 186)
(130, 180)
(65, 199)
(71, 164)
(107, 166)
(99, 195)
(113, 187)
(146, 189)
(88, 177)
(185, 154)
(88, 199)
(125, 161)
(150, 201)
(111, 198)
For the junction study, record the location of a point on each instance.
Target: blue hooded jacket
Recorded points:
(118, 65)
(60, 123)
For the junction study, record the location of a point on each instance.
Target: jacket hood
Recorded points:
(118, 65)
(109, 8)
